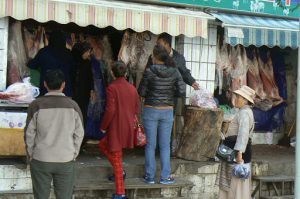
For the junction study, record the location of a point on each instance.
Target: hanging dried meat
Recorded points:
(223, 65)
(253, 76)
(102, 51)
(267, 77)
(134, 52)
(16, 55)
(238, 72)
(239, 68)
(35, 41)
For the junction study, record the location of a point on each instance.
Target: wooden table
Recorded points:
(272, 180)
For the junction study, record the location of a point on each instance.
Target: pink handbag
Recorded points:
(139, 133)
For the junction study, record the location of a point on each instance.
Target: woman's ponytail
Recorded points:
(160, 53)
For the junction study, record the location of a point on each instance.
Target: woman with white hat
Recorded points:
(238, 137)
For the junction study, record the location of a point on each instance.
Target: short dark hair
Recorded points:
(165, 37)
(119, 69)
(54, 79)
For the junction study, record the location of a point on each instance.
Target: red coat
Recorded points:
(122, 103)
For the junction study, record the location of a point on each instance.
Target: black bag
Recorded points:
(225, 153)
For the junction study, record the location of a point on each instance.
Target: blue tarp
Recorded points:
(269, 120)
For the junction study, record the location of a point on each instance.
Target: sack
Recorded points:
(225, 153)
(139, 134)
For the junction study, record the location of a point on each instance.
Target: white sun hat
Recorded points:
(246, 92)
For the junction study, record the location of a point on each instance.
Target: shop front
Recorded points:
(25, 27)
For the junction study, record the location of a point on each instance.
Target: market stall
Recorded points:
(254, 51)
(107, 36)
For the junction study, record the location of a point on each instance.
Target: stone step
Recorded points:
(130, 183)
(137, 188)
(169, 197)
(278, 197)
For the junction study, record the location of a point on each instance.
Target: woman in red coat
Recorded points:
(122, 104)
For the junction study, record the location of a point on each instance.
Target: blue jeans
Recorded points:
(158, 122)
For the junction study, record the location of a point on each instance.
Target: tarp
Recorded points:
(259, 31)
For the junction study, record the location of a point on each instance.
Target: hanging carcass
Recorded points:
(34, 41)
(223, 66)
(134, 52)
(238, 71)
(253, 75)
(267, 77)
(16, 55)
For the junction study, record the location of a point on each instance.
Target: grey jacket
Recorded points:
(180, 64)
(54, 129)
(242, 126)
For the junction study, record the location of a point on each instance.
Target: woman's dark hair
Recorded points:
(161, 54)
(165, 37)
(54, 79)
(81, 48)
(119, 69)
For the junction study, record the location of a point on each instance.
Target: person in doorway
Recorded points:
(165, 40)
(238, 137)
(160, 85)
(122, 105)
(54, 56)
(53, 135)
(82, 77)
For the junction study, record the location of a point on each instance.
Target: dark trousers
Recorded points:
(62, 174)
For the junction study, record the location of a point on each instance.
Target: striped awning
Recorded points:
(120, 15)
(258, 31)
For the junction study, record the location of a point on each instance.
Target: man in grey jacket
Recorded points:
(53, 135)
(165, 40)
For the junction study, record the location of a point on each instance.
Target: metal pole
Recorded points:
(297, 179)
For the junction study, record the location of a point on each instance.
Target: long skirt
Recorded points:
(239, 189)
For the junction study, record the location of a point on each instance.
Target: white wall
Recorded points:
(3, 52)
(200, 55)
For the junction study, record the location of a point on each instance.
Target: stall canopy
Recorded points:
(258, 31)
(121, 15)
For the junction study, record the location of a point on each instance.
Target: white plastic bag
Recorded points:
(202, 98)
(22, 92)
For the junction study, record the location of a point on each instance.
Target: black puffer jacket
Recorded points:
(161, 85)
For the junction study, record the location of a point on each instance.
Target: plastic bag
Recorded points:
(203, 99)
(22, 92)
(241, 171)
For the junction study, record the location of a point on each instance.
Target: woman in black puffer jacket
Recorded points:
(160, 85)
